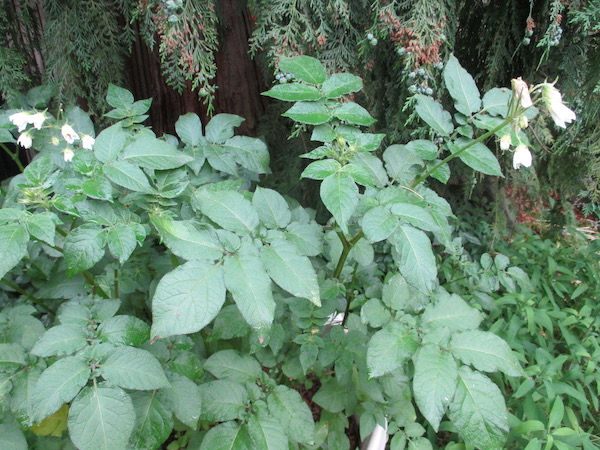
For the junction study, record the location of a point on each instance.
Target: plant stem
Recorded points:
(14, 157)
(24, 293)
(484, 136)
(347, 244)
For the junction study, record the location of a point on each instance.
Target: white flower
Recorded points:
(36, 120)
(505, 142)
(20, 120)
(557, 109)
(335, 319)
(521, 92)
(522, 157)
(24, 140)
(378, 438)
(69, 133)
(68, 154)
(87, 141)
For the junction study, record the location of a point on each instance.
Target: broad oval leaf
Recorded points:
(462, 87)
(61, 340)
(340, 84)
(339, 193)
(434, 382)
(486, 352)
(184, 398)
(415, 215)
(416, 260)
(389, 348)
(13, 242)
(293, 414)
(478, 411)
(452, 312)
(353, 113)
(189, 129)
(312, 113)
(223, 400)
(120, 98)
(101, 418)
(250, 153)
(229, 209)
(423, 149)
(153, 153)
(291, 270)
(434, 115)
(306, 237)
(128, 176)
(187, 298)
(273, 210)
(153, 421)
(250, 286)
(133, 368)
(318, 170)
(83, 248)
(121, 241)
(477, 157)
(233, 366)
(267, 433)
(304, 68)
(220, 128)
(109, 143)
(294, 92)
(378, 224)
(226, 436)
(124, 330)
(496, 100)
(58, 384)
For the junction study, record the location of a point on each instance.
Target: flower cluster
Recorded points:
(551, 99)
(22, 119)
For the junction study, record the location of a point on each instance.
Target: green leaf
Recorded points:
(378, 223)
(227, 436)
(12, 357)
(267, 433)
(220, 159)
(477, 157)
(423, 149)
(39, 170)
(233, 366)
(291, 270)
(187, 298)
(250, 153)
(220, 128)
(98, 188)
(42, 226)
(83, 248)
(442, 173)
(189, 129)
(478, 411)
(452, 312)
(185, 240)
(13, 242)
(250, 286)
(153, 153)
(273, 210)
(304, 68)
(486, 352)
(124, 330)
(20, 402)
(188, 363)
(340, 84)
(373, 166)
(61, 340)
(153, 421)
(416, 260)
(340, 196)
(80, 121)
(312, 113)
(229, 209)
(133, 368)
(293, 414)
(353, 113)
(184, 398)
(121, 241)
(415, 215)
(462, 87)
(101, 418)
(434, 382)
(359, 174)
(434, 115)
(495, 101)
(332, 396)
(12, 436)
(293, 92)
(223, 400)
(401, 163)
(128, 176)
(318, 170)
(58, 384)
(118, 97)
(40, 96)
(389, 348)
(306, 237)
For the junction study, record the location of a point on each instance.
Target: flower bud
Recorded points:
(521, 92)
(505, 142)
(522, 157)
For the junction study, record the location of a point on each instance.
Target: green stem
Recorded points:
(24, 293)
(484, 136)
(347, 246)
(14, 157)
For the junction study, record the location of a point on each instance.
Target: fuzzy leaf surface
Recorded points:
(133, 368)
(462, 87)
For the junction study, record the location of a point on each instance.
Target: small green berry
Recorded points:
(526, 41)
(373, 41)
(203, 92)
(369, 37)
(401, 51)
